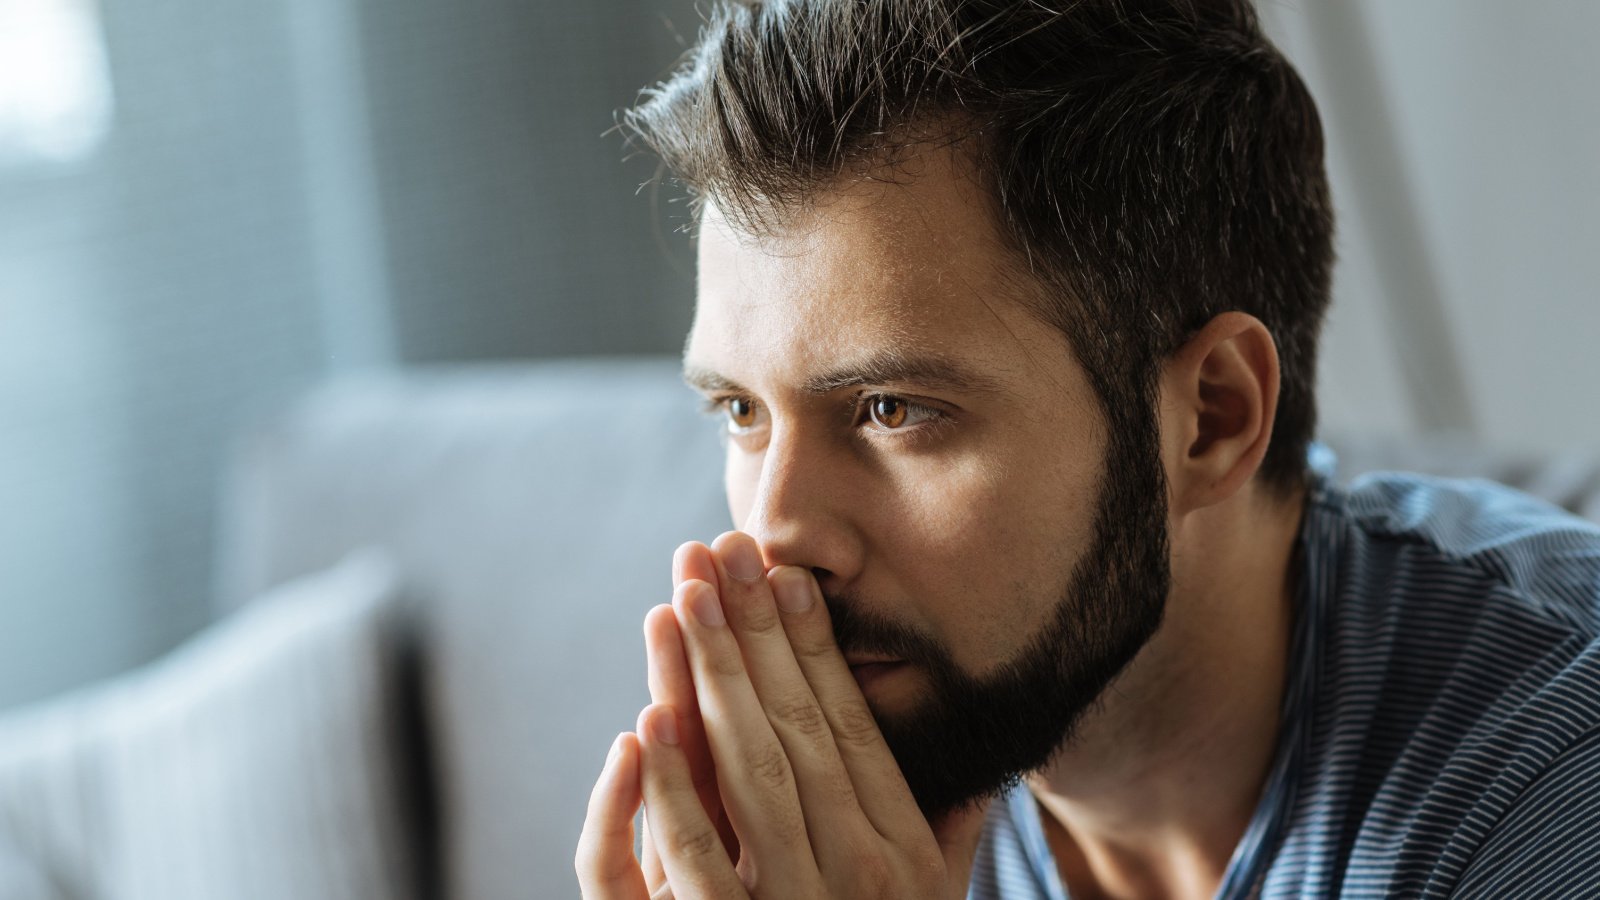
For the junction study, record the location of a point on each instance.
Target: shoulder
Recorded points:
(1446, 605)
(1449, 605)
(1547, 841)
(1459, 641)
(1473, 536)
(1449, 585)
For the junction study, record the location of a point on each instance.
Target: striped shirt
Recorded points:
(1441, 717)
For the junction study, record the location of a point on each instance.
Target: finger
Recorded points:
(607, 869)
(691, 851)
(754, 776)
(672, 685)
(649, 860)
(659, 888)
(880, 787)
(693, 560)
(827, 797)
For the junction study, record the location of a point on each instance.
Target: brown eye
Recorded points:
(889, 412)
(741, 412)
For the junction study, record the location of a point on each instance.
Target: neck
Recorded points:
(1160, 781)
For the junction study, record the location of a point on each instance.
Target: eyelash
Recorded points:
(933, 419)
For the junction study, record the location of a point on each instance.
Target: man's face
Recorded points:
(900, 424)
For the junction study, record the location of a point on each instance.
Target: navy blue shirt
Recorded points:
(1441, 717)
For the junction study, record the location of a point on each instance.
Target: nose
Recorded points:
(799, 501)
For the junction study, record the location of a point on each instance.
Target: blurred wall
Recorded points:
(1463, 139)
(149, 294)
(292, 189)
(513, 228)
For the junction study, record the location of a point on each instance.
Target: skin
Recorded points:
(963, 520)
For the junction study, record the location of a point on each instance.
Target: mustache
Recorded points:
(857, 628)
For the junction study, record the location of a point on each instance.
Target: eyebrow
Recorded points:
(937, 372)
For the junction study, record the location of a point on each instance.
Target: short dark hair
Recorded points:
(1153, 163)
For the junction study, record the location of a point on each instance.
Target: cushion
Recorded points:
(535, 508)
(259, 760)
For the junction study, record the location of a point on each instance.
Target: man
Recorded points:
(1009, 310)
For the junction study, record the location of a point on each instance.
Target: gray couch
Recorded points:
(533, 513)
(518, 522)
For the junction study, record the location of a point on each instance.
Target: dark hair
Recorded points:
(1153, 163)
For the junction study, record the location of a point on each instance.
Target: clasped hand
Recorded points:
(760, 767)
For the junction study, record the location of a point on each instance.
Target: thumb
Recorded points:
(957, 833)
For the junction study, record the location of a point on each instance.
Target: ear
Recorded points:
(1219, 396)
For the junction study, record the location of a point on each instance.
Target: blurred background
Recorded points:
(207, 208)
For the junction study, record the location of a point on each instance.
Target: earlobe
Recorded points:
(1222, 395)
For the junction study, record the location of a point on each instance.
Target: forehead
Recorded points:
(907, 265)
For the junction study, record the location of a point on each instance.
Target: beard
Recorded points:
(973, 738)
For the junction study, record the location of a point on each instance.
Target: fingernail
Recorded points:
(743, 559)
(792, 590)
(664, 725)
(616, 748)
(706, 606)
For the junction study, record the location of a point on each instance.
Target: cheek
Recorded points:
(995, 546)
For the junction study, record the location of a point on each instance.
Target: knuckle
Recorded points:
(927, 869)
(690, 842)
(802, 714)
(870, 872)
(768, 766)
(583, 860)
(588, 861)
(759, 615)
(813, 648)
(843, 791)
(854, 725)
